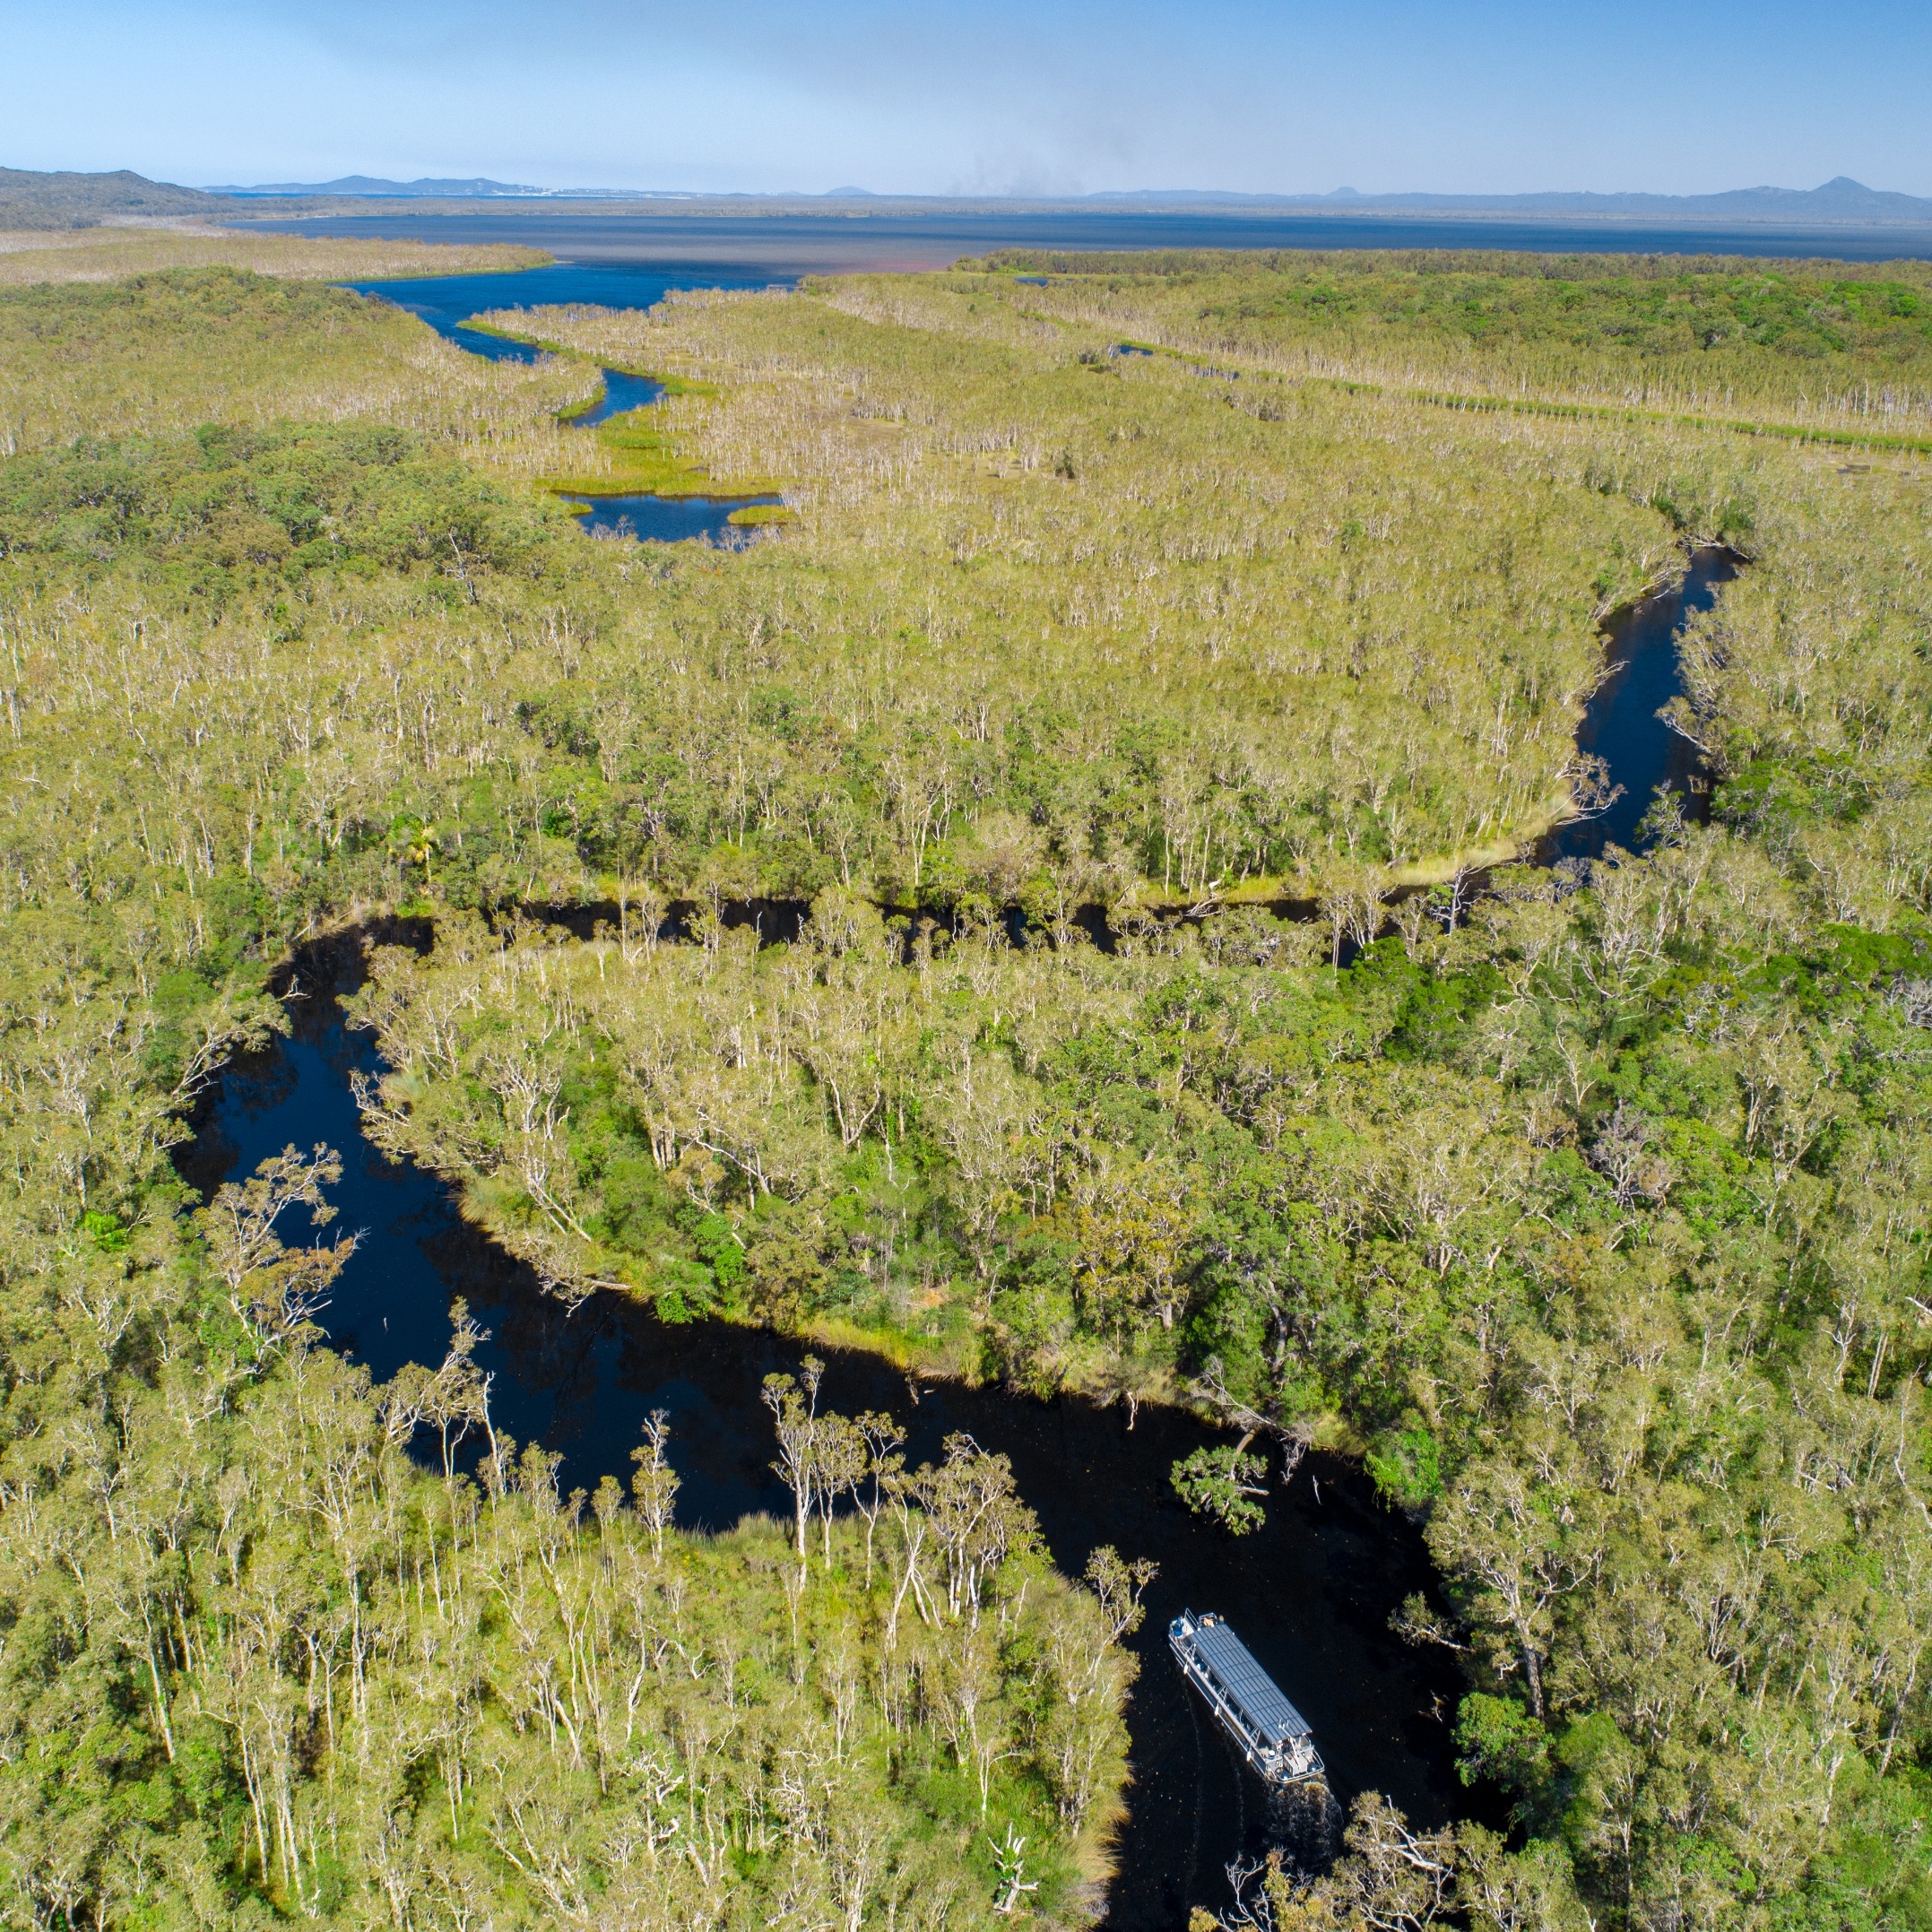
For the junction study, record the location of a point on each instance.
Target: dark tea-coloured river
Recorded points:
(1311, 1593)
(1622, 723)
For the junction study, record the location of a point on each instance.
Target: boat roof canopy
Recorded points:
(1245, 1680)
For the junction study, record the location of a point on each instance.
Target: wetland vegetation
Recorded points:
(1589, 1211)
(1832, 343)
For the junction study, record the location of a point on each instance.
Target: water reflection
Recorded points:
(668, 519)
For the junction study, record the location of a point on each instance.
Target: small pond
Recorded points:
(668, 519)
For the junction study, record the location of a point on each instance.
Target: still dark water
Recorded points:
(1621, 724)
(668, 519)
(1311, 1593)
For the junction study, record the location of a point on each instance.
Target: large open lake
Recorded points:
(705, 247)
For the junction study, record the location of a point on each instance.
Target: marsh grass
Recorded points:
(1152, 528)
(113, 253)
(159, 353)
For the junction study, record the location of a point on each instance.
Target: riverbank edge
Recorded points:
(671, 476)
(543, 258)
(1275, 890)
(958, 1353)
(1094, 1851)
(676, 476)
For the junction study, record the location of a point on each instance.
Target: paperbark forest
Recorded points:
(1052, 908)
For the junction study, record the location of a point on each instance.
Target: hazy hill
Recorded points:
(1842, 201)
(29, 199)
(1839, 200)
(374, 185)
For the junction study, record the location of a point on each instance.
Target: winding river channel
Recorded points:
(1311, 1593)
(1620, 724)
(446, 302)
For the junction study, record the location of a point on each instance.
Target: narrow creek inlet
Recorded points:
(652, 517)
(1621, 723)
(623, 392)
(446, 302)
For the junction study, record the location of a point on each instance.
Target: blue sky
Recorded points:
(981, 95)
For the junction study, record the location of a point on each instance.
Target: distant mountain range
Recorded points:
(375, 187)
(1841, 199)
(67, 200)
